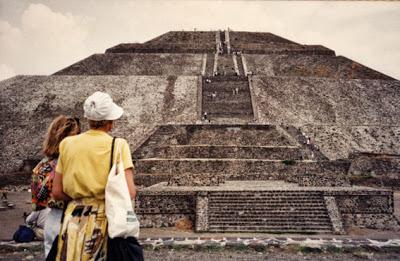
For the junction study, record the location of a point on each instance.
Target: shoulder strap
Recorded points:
(112, 152)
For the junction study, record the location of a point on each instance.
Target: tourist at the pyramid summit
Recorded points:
(81, 176)
(47, 211)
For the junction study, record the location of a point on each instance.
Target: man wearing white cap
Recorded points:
(81, 177)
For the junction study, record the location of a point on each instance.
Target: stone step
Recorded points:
(239, 135)
(268, 215)
(269, 219)
(150, 179)
(227, 87)
(268, 212)
(242, 119)
(287, 229)
(266, 197)
(260, 193)
(223, 134)
(225, 96)
(266, 194)
(273, 199)
(271, 208)
(267, 205)
(216, 116)
(276, 199)
(279, 211)
(227, 78)
(207, 151)
(233, 167)
(237, 222)
(228, 108)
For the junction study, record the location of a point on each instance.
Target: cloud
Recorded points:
(52, 36)
(6, 72)
(45, 40)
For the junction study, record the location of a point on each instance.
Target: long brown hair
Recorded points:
(60, 127)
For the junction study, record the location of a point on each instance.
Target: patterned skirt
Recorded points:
(83, 234)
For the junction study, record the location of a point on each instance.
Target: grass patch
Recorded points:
(177, 247)
(289, 162)
(334, 249)
(309, 250)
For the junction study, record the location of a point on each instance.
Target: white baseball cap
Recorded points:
(99, 107)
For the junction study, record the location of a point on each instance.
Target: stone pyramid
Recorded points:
(232, 131)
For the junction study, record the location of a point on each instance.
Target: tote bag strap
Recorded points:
(112, 152)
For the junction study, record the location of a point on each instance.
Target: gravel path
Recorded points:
(189, 255)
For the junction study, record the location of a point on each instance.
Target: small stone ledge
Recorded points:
(305, 245)
(11, 246)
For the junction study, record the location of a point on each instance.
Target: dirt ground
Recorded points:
(223, 255)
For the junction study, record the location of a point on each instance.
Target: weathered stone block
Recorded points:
(201, 179)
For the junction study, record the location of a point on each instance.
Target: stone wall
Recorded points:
(29, 103)
(293, 65)
(369, 209)
(136, 64)
(322, 101)
(238, 37)
(163, 48)
(378, 170)
(165, 209)
(338, 141)
(194, 37)
(286, 48)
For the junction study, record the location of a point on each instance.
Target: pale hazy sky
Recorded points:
(42, 37)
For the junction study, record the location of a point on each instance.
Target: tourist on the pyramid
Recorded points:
(81, 177)
(205, 116)
(213, 95)
(307, 140)
(42, 180)
(311, 145)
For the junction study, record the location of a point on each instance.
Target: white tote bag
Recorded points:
(122, 220)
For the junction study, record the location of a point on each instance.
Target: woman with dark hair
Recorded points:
(43, 175)
(81, 177)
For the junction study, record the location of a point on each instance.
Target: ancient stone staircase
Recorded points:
(227, 97)
(268, 211)
(237, 152)
(225, 89)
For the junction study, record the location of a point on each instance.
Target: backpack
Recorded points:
(41, 185)
(24, 234)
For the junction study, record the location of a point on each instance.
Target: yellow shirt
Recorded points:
(84, 162)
